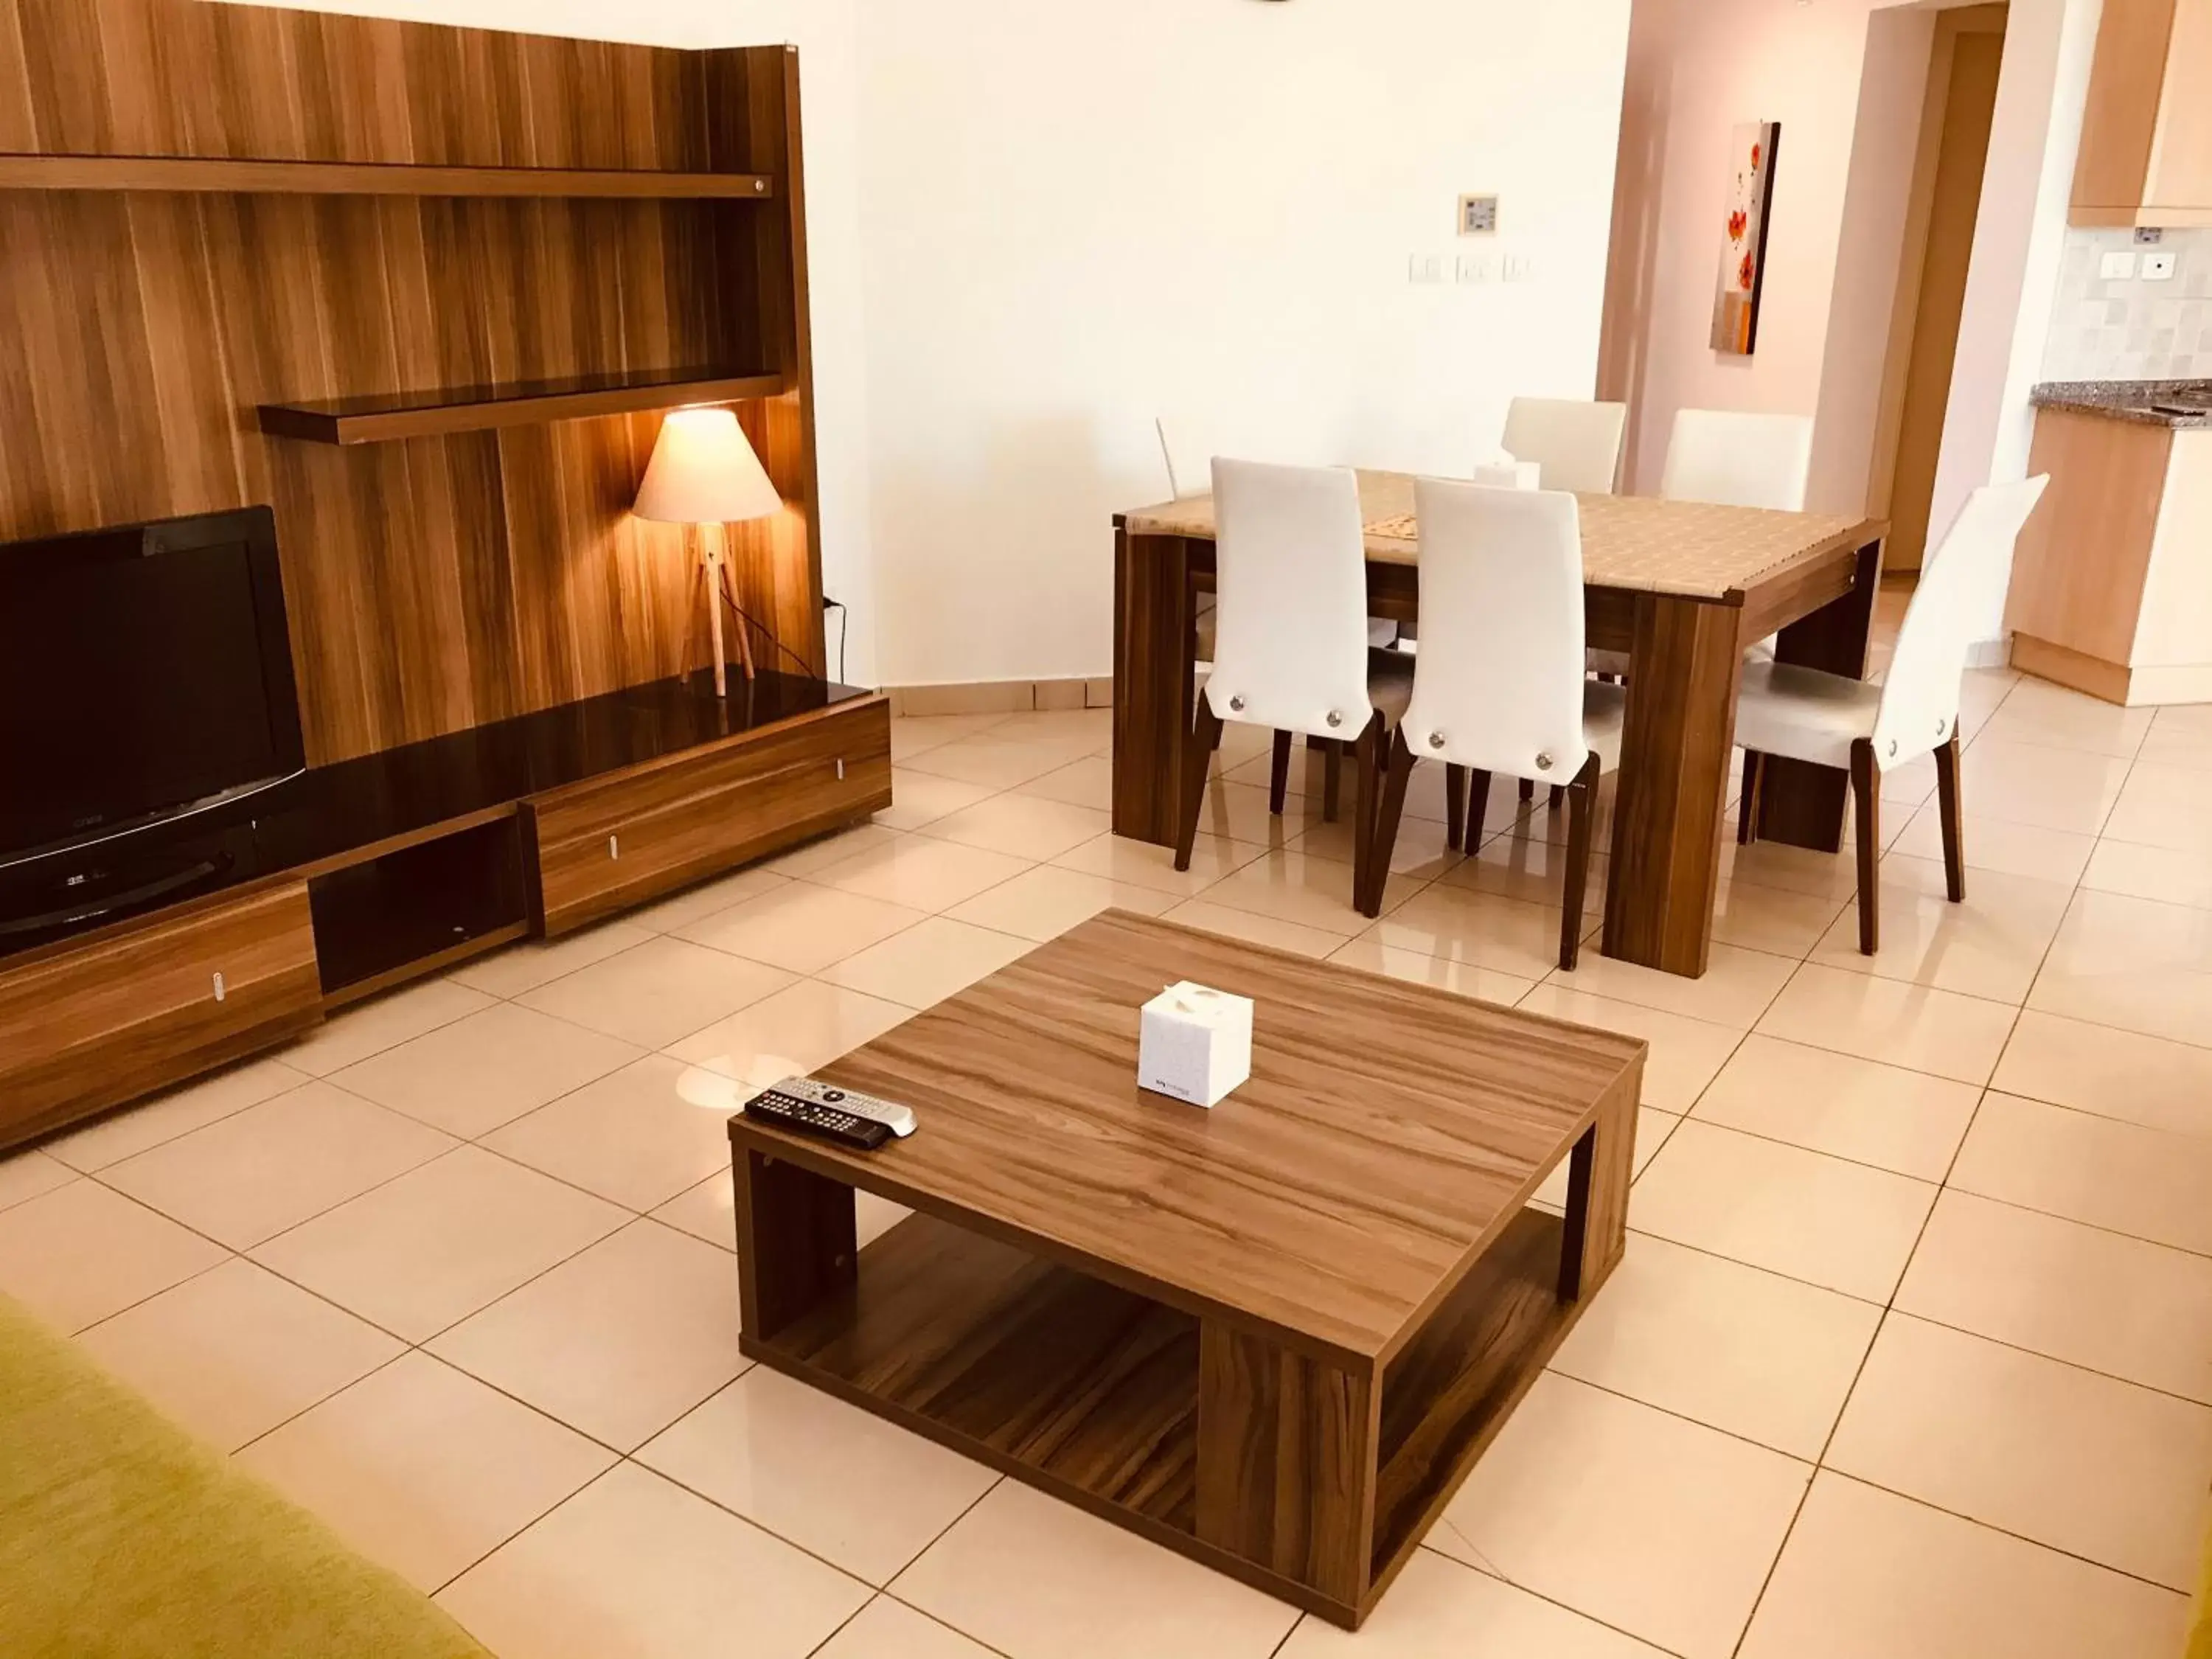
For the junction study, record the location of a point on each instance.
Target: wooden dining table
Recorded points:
(1683, 587)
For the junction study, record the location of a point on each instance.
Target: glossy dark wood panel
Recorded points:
(221, 176)
(1155, 633)
(389, 416)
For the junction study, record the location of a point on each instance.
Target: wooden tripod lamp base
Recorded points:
(713, 558)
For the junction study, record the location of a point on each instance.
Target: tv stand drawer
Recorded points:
(616, 841)
(139, 1011)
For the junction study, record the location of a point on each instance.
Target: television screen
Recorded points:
(143, 670)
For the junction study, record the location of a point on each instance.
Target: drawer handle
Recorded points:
(841, 769)
(220, 989)
(614, 846)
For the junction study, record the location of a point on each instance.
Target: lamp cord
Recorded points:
(729, 596)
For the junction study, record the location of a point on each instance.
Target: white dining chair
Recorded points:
(1737, 459)
(1501, 687)
(1865, 729)
(1576, 443)
(1291, 647)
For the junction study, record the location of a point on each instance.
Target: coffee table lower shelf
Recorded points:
(1092, 1392)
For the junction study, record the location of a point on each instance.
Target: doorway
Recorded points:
(1963, 69)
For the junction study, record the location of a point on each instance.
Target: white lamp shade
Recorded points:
(704, 471)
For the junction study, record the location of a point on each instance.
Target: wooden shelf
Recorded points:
(220, 175)
(387, 417)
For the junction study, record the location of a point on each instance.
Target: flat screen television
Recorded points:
(145, 674)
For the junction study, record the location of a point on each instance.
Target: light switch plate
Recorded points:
(1474, 268)
(1425, 268)
(2120, 265)
(2157, 267)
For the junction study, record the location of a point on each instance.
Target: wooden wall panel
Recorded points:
(439, 582)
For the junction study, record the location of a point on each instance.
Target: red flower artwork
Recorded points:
(1756, 150)
(1745, 272)
(1738, 220)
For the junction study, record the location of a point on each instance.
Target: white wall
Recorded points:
(1080, 215)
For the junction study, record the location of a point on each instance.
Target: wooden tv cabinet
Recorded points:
(361, 876)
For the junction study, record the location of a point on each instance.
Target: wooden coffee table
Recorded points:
(1274, 1336)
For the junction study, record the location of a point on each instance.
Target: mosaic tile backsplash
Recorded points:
(2134, 330)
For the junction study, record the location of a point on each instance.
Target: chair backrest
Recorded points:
(1577, 443)
(1499, 683)
(1739, 460)
(1291, 598)
(1920, 693)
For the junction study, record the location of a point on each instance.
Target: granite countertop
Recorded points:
(2132, 400)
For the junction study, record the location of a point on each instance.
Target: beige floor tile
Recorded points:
(384, 1023)
(2166, 807)
(468, 1077)
(1745, 1352)
(1686, 1054)
(118, 1135)
(1036, 1578)
(1475, 930)
(2153, 1081)
(1090, 729)
(2179, 736)
(1652, 1129)
(2052, 715)
(2140, 1312)
(1988, 945)
(237, 1351)
(1998, 844)
(1140, 864)
(1868, 1575)
(918, 798)
(2131, 962)
(1770, 919)
(2151, 873)
(1657, 1526)
(2144, 1183)
(1439, 1608)
(1915, 1026)
(636, 1138)
(1795, 869)
(707, 897)
(791, 1033)
(1859, 1109)
(923, 873)
(929, 963)
(885, 1629)
(1042, 904)
(1254, 928)
(708, 1211)
(250, 1175)
(2095, 1466)
(618, 1341)
(1296, 887)
(658, 993)
(526, 966)
(2070, 789)
(1239, 811)
(1369, 955)
(1001, 758)
(635, 1566)
(1088, 782)
(427, 1250)
(1420, 852)
(861, 1493)
(423, 1469)
(81, 1253)
(1738, 986)
(811, 858)
(1799, 1213)
(1533, 871)
(24, 1176)
(803, 928)
(1022, 826)
(912, 735)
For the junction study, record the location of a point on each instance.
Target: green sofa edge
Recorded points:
(121, 1536)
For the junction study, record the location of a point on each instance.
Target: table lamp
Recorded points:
(704, 471)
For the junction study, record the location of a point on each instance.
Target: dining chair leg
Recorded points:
(1455, 807)
(1528, 790)
(1331, 778)
(1582, 803)
(1954, 825)
(1389, 810)
(1278, 774)
(1866, 786)
(1368, 755)
(1747, 805)
(1477, 808)
(1198, 760)
(1558, 794)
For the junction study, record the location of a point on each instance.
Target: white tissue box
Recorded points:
(1194, 1044)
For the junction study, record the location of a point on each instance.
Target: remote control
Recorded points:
(811, 1117)
(898, 1119)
